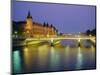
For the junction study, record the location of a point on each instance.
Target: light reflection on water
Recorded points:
(54, 59)
(17, 61)
(42, 59)
(46, 58)
(79, 59)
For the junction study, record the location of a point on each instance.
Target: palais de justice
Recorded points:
(30, 28)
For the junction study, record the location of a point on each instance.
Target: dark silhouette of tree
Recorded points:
(88, 32)
(51, 25)
(60, 34)
(92, 32)
(47, 24)
(44, 24)
(18, 26)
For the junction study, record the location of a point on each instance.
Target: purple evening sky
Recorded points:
(65, 17)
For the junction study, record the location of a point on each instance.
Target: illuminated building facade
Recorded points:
(34, 29)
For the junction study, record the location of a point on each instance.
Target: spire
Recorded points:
(29, 15)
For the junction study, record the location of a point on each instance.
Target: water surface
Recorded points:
(45, 58)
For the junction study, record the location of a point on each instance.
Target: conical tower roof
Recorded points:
(29, 15)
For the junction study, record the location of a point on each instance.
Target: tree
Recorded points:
(44, 24)
(47, 24)
(88, 32)
(51, 25)
(93, 32)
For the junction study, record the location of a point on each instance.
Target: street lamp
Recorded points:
(90, 35)
(15, 32)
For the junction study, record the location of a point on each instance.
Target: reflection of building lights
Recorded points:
(25, 49)
(79, 59)
(54, 58)
(17, 61)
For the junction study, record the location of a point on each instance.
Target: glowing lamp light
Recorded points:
(27, 31)
(90, 35)
(15, 32)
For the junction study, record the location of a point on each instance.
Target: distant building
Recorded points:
(29, 28)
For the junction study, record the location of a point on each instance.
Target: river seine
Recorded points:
(46, 58)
